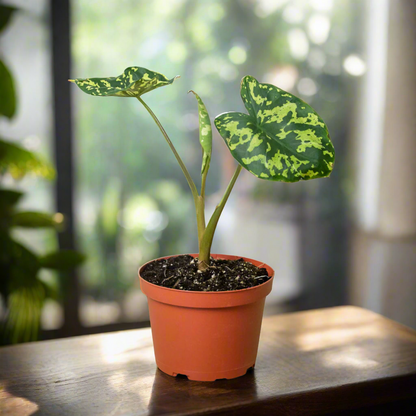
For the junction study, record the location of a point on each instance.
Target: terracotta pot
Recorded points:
(206, 335)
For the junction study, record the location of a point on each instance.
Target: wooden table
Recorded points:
(309, 363)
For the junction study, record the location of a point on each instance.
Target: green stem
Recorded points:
(200, 211)
(172, 147)
(206, 242)
(204, 180)
(200, 218)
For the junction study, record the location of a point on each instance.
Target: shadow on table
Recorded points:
(170, 394)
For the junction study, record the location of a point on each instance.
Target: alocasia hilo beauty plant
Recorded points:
(280, 139)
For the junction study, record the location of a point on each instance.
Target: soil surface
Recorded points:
(182, 273)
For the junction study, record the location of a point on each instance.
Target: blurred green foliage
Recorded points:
(7, 92)
(21, 289)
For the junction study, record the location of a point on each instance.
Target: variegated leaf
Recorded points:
(205, 133)
(281, 139)
(133, 82)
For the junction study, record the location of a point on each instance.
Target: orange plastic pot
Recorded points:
(206, 335)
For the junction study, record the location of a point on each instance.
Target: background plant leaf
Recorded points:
(31, 219)
(133, 82)
(62, 260)
(25, 265)
(6, 13)
(7, 92)
(24, 312)
(281, 139)
(51, 291)
(8, 199)
(18, 162)
(205, 132)
(107, 219)
(6, 255)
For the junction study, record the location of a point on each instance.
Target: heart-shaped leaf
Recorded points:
(281, 139)
(133, 82)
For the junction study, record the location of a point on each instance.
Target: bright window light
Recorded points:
(354, 65)
(298, 44)
(318, 28)
(284, 77)
(322, 5)
(293, 14)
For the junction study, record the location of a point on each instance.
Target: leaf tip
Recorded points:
(72, 80)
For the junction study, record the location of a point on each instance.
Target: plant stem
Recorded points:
(206, 242)
(172, 147)
(200, 211)
(204, 180)
(198, 200)
(200, 218)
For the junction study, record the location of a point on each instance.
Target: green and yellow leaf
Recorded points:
(133, 82)
(205, 133)
(280, 139)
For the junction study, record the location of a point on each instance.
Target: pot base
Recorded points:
(198, 376)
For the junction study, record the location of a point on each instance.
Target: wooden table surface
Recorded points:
(309, 363)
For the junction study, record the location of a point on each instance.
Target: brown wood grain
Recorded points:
(325, 361)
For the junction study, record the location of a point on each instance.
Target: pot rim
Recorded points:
(211, 292)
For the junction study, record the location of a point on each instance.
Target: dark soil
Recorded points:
(182, 273)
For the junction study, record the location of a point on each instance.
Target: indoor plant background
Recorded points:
(22, 289)
(330, 43)
(189, 37)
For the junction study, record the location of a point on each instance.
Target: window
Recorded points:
(132, 203)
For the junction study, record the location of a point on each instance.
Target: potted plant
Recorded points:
(206, 310)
